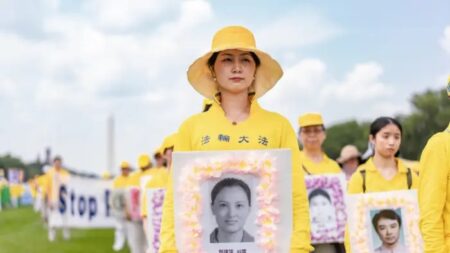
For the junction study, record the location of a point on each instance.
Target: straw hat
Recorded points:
(348, 152)
(234, 37)
(310, 119)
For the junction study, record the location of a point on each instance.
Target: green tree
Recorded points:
(431, 114)
(349, 132)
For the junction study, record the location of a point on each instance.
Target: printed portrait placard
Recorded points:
(326, 196)
(233, 201)
(155, 200)
(384, 222)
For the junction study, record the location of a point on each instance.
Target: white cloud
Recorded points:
(297, 29)
(361, 84)
(117, 14)
(445, 40)
(81, 71)
(308, 86)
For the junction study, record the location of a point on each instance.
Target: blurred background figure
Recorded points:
(3, 186)
(349, 159)
(106, 175)
(134, 226)
(119, 186)
(167, 149)
(54, 176)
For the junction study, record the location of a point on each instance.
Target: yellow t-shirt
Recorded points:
(120, 182)
(134, 179)
(16, 190)
(375, 182)
(434, 193)
(158, 180)
(41, 182)
(49, 181)
(325, 166)
(211, 130)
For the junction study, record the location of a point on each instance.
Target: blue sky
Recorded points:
(65, 66)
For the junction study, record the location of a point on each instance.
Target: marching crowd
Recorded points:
(231, 77)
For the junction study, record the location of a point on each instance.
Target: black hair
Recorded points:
(387, 214)
(319, 192)
(168, 148)
(213, 59)
(206, 107)
(381, 122)
(229, 182)
(57, 158)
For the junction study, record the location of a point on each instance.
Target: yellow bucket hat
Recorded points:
(234, 37)
(310, 119)
(144, 161)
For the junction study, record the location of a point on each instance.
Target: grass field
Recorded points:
(21, 231)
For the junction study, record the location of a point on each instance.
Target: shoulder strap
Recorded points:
(363, 175)
(306, 170)
(409, 178)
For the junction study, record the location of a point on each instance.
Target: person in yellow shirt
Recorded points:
(434, 192)
(54, 176)
(158, 157)
(311, 136)
(167, 148)
(135, 231)
(314, 161)
(120, 182)
(234, 74)
(158, 180)
(383, 172)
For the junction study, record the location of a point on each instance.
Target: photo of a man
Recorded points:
(231, 206)
(387, 224)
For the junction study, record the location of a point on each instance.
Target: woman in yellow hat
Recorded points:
(383, 172)
(234, 74)
(314, 161)
(311, 136)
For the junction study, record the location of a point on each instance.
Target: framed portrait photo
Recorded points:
(155, 200)
(326, 196)
(384, 222)
(233, 201)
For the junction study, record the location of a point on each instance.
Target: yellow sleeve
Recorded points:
(300, 237)
(433, 194)
(167, 234)
(355, 184)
